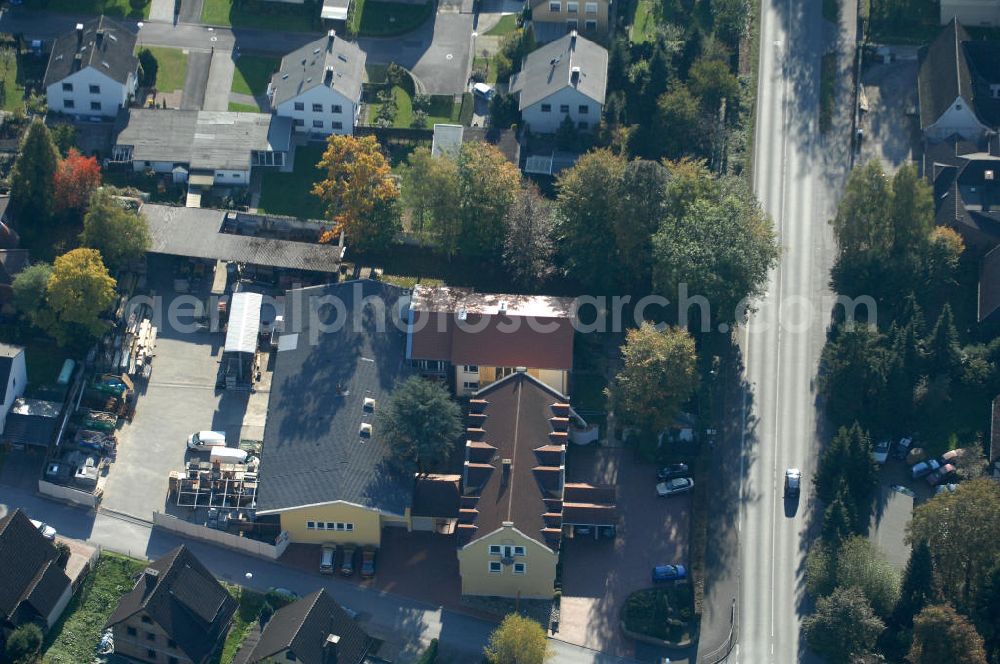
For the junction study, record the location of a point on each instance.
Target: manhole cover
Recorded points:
(449, 56)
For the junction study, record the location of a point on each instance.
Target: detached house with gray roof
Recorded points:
(92, 71)
(565, 78)
(319, 86)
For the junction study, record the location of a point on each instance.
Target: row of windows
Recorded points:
(318, 108)
(329, 525)
(555, 6)
(496, 567)
(94, 89)
(507, 550)
(582, 109)
(470, 384)
(318, 124)
(470, 368)
(150, 636)
(69, 103)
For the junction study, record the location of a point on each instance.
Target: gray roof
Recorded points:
(550, 69)
(307, 67)
(113, 56)
(209, 140)
(303, 627)
(196, 233)
(313, 451)
(29, 574)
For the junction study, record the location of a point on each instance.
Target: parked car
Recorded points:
(881, 452)
(672, 471)
(47, 531)
(484, 90)
(938, 475)
(675, 486)
(903, 447)
(945, 488)
(669, 573)
(952, 455)
(793, 482)
(367, 562)
(203, 440)
(347, 562)
(924, 468)
(326, 562)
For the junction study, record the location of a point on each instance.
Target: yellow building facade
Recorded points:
(507, 563)
(338, 523)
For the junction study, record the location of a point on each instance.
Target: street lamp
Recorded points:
(140, 24)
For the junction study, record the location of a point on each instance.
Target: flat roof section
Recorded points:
(244, 323)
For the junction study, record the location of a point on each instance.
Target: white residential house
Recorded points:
(565, 78)
(13, 378)
(93, 70)
(319, 86)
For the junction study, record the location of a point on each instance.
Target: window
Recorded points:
(95, 89)
(67, 87)
(494, 549)
(546, 108)
(150, 654)
(582, 125)
(564, 108)
(590, 26)
(518, 550)
(555, 7)
(150, 636)
(584, 109)
(299, 122)
(317, 108)
(299, 106)
(146, 620)
(590, 7)
(336, 108)
(171, 643)
(131, 631)
(336, 124)
(495, 567)
(310, 525)
(572, 7)
(470, 368)
(470, 384)
(349, 527)
(330, 525)
(95, 105)
(519, 568)
(318, 124)
(68, 103)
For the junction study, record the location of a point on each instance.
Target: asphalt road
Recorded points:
(798, 175)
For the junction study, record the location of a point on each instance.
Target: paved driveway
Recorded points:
(599, 575)
(179, 398)
(891, 89)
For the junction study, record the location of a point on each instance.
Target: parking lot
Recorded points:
(651, 531)
(891, 129)
(179, 398)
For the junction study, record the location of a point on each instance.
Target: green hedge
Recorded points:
(430, 655)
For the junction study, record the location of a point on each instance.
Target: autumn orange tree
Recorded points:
(359, 192)
(75, 179)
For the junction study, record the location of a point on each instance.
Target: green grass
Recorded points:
(117, 8)
(74, 638)
(13, 91)
(290, 193)
(643, 27)
(443, 109)
(171, 68)
(507, 24)
(903, 21)
(261, 14)
(827, 90)
(253, 73)
(243, 108)
(385, 19)
(485, 64)
(250, 604)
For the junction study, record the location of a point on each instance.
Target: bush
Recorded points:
(64, 553)
(23, 644)
(430, 655)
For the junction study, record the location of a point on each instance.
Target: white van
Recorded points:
(203, 440)
(227, 455)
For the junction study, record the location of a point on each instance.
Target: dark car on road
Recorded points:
(669, 573)
(672, 471)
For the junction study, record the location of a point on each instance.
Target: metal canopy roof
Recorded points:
(244, 323)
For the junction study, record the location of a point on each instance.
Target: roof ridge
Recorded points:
(316, 596)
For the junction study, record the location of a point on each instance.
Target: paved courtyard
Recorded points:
(891, 130)
(599, 575)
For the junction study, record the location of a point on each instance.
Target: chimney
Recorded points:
(77, 62)
(331, 37)
(79, 35)
(574, 76)
(330, 648)
(989, 175)
(503, 306)
(328, 76)
(99, 38)
(505, 476)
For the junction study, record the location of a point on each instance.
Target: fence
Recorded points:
(69, 494)
(221, 538)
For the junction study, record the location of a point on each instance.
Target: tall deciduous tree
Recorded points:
(711, 81)
(79, 291)
(518, 640)
(120, 234)
(429, 189)
(679, 122)
(421, 423)
(32, 178)
(359, 192)
(863, 220)
(843, 626)
(940, 634)
(487, 186)
(528, 248)
(76, 179)
(853, 373)
(861, 565)
(642, 206)
(962, 530)
(658, 375)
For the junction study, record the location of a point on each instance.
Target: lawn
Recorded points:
(250, 604)
(262, 14)
(243, 108)
(385, 19)
(480, 63)
(13, 91)
(443, 109)
(290, 193)
(74, 638)
(171, 68)
(644, 24)
(119, 8)
(253, 73)
(507, 24)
